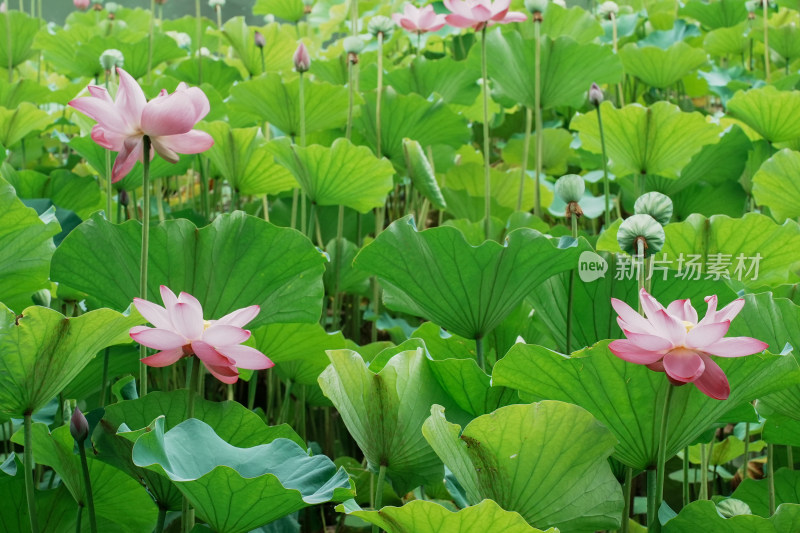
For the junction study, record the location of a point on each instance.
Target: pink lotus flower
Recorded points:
(180, 331)
(671, 340)
(419, 20)
(82, 4)
(480, 13)
(167, 119)
(302, 61)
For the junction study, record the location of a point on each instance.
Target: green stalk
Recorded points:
(9, 45)
(703, 473)
(379, 492)
(746, 450)
(219, 27)
(652, 481)
(655, 526)
(287, 400)
(620, 93)
(537, 98)
(337, 268)
(145, 251)
(640, 274)
(159, 185)
(28, 464)
(379, 212)
(150, 41)
(109, 186)
(302, 111)
(351, 68)
(379, 98)
(771, 476)
(162, 517)
(79, 519)
(104, 382)
(626, 494)
(686, 475)
(525, 149)
(199, 16)
(487, 184)
(192, 386)
(479, 352)
(606, 184)
(87, 482)
(571, 290)
(790, 457)
(765, 4)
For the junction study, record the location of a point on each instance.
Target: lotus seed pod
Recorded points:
(216, 3)
(381, 24)
(730, 507)
(641, 228)
(269, 19)
(259, 39)
(302, 61)
(111, 58)
(536, 6)
(570, 188)
(112, 7)
(595, 95)
(655, 204)
(78, 426)
(606, 9)
(353, 44)
(560, 3)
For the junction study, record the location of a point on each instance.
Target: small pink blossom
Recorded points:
(478, 14)
(82, 4)
(167, 119)
(302, 61)
(671, 340)
(180, 331)
(419, 20)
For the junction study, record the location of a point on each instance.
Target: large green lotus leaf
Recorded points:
(236, 261)
(121, 502)
(274, 99)
(724, 41)
(218, 73)
(755, 493)
(777, 185)
(567, 69)
(298, 350)
(768, 111)
(628, 398)
(288, 10)
(280, 38)
(660, 139)
(17, 123)
(754, 249)
(43, 351)
(384, 413)
(421, 173)
(661, 68)
(242, 158)
(525, 458)
(703, 515)
(18, 43)
(455, 81)
(713, 15)
(784, 40)
(468, 290)
(13, 94)
(342, 174)
(79, 194)
(411, 116)
(424, 516)
(555, 151)
(575, 23)
(54, 508)
(236, 489)
(27, 244)
(593, 319)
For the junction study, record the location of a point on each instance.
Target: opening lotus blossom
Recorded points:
(478, 14)
(180, 331)
(167, 120)
(672, 340)
(419, 20)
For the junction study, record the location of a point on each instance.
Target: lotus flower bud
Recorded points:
(112, 7)
(570, 188)
(213, 4)
(381, 25)
(302, 61)
(730, 507)
(655, 204)
(595, 95)
(642, 228)
(259, 39)
(82, 4)
(42, 297)
(3, 8)
(111, 58)
(123, 198)
(606, 9)
(78, 426)
(353, 44)
(536, 6)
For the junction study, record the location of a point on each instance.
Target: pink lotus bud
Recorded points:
(82, 4)
(302, 61)
(595, 95)
(259, 39)
(78, 426)
(161, 2)
(3, 8)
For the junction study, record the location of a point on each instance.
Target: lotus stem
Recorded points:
(9, 48)
(640, 274)
(351, 76)
(765, 5)
(145, 251)
(287, 399)
(337, 269)
(626, 494)
(652, 482)
(379, 98)
(746, 465)
(192, 386)
(789, 457)
(571, 290)
(198, 14)
(302, 110)
(606, 183)
(487, 184)
(88, 486)
(219, 27)
(150, 41)
(479, 353)
(686, 475)
(525, 152)
(252, 385)
(28, 465)
(104, 382)
(162, 517)
(109, 186)
(703, 473)
(771, 476)
(537, 88)
(655, 525)
(379, 492)
(620, 94)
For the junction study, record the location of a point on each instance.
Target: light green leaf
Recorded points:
(18, 44)
(524, 458)
(660, 139)
(288, 10)
(236, 261)
(421, 173)
(344, 174)
(628, 398)
(768, 111)
(724, 41)
(17, 123)
(702, 515)
(777, 184)
(755, 493)
(67, 190)
(555, 151)
(713, 15)
(468, 290)
(576, 23)
(455, 81)
(661, 68)
(227, 485)
(281, 44)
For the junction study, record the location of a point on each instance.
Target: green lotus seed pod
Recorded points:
(536, 6)
(730, 507)
(381, 24)
(353, 44)
(111, 7)
(570, 188)
(214, 3)
(655, 204)
(111, 58)
(638, 227)
(606, 9)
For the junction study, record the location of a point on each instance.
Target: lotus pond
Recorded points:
(472, 266)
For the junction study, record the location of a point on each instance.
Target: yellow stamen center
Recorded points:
(688, 325)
